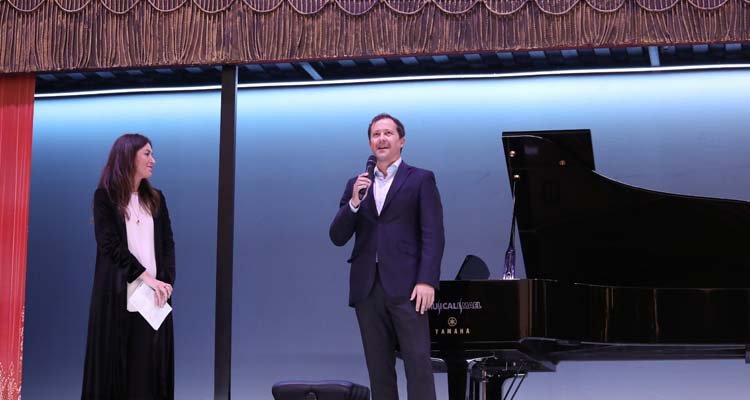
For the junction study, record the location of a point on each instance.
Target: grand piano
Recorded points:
(613, 272)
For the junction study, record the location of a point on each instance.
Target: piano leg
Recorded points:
(487, 383)
(457, 369)
(475, 381)
(494, 388)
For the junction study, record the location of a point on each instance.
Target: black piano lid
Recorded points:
(578, 226)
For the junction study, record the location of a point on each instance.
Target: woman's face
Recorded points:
(144, 163)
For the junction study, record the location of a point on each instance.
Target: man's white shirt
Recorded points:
(380, 186)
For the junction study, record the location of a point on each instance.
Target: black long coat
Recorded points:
(105, 368)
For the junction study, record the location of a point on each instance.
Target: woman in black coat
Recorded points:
(125, 357)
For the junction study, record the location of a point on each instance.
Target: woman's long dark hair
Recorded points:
(118, 173)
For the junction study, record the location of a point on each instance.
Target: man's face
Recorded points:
(384, 141)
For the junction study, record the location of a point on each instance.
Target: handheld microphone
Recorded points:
(370, 168)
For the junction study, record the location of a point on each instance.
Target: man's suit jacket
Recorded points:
(408, 236)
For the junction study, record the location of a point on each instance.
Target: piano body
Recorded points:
(614, 272)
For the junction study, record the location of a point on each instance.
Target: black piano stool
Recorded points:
(319, 390)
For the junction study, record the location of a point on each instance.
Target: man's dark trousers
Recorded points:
(383, 322)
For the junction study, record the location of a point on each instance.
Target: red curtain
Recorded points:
(16, 117)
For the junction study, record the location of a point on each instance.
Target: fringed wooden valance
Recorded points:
(51, 35)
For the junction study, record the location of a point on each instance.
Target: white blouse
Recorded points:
(140, 229)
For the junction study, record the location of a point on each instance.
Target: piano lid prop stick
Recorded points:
(510, 253)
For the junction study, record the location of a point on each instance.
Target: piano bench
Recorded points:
(319, 390)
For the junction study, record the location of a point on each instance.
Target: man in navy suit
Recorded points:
(395, 263)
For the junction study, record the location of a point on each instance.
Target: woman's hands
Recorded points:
(162, 290)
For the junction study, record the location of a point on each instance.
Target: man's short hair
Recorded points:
(399, 126)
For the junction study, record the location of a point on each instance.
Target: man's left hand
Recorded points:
(425, 296)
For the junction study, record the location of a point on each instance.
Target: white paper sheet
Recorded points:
(142, 300)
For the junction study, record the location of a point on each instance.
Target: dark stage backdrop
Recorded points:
(675, 132)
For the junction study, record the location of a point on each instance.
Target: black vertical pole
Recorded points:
(225, 235)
